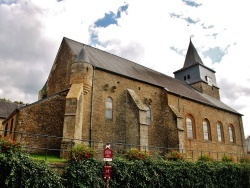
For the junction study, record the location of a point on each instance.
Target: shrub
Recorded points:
(174, 155)
(139, 174)
(9, 146)
(157, 155)
(84, 173)
(245, 160)
(81, 152)
(227, 158)
(206, 158)
(136, 154)
(19, 171)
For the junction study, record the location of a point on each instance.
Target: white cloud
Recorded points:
(31, 32)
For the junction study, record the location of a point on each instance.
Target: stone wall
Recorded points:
(42, 118)
(203, 87)
(125, 112)
(1, 126)
(200, 112)
(59, 77)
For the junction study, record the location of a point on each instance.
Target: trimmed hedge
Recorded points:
(17, 170)
(155, 174)
(179, 174)
(86, 173)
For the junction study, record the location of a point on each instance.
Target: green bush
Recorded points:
(17, 170)
(174, 155)
(245, 160)
(178, 174)
(231, 175)
(136, 154)
(227, 158)
(9, 146)
(83, 174)
(206, 158)
(81, 152)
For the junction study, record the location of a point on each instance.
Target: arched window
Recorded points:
(11, 126)
(190, 127)
(231, 134)
(206, 130)
(109, 108)
(6, 129)
(220, 132)
(148, 114)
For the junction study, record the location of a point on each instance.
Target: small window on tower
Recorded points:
(188, 76)
(185, 77)
(209, 81)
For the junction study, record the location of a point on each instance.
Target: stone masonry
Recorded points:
(74, 106)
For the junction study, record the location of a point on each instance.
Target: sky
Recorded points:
(153, 33)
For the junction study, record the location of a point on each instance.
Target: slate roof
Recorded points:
(192, 56)
(22, 106)
(118, 65)
(6, 108)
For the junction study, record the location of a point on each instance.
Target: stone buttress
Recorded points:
(81, 85)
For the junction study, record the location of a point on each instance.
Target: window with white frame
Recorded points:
(109, 108)
(209, 81)
(190, 128)
(231, 134)
(206, 130)
(219, 132)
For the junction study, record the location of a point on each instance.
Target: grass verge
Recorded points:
(48, 158)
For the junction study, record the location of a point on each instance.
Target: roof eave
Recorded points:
(214, 106)
(182, 69)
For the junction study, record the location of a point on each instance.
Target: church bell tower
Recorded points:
(197, 75)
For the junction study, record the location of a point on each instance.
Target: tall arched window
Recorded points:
(220, 132)
(148, 114)
(190, 127)
(109, 108)
(206, 130)
(6, 129)
(231, 134)
(11, 126)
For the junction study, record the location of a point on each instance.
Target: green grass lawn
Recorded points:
(48, 158)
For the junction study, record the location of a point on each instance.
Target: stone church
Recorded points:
(93, 95)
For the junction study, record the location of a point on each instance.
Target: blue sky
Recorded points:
(155, 34)
(111, 17)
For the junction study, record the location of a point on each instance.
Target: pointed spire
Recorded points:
(82, 56)
(192, 56)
